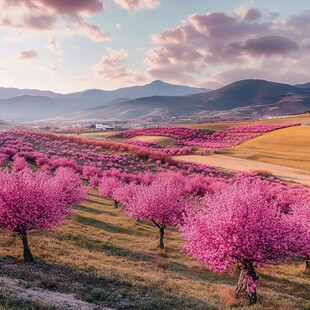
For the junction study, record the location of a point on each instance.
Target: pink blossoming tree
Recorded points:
(32, 201)
(107, 187)
(160, 202)
(243, 224)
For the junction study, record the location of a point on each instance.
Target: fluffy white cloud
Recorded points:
(112, 67)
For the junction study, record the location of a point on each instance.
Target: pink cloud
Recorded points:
(41, 22)
(43, 15)
(208, 43)
(70, 7)
(28, 54)
(137, 5)
(94, 32)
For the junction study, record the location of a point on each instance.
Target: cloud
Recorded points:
(27, 54)
(69, 7)
(94, 33)
(253, 14)
(137, 5)
(40, 21)
(45, 15)
(216, 42)
(267, 45)
(112, 67)
(53, 45)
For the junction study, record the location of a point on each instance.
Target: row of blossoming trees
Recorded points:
(246, 220)
(207, 138)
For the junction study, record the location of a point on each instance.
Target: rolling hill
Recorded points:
(29, 105)
(247, 98)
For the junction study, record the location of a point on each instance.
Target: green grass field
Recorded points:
(109, 260)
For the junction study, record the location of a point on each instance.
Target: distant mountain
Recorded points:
(29, 105)
(246, 98)
(306, 85)
(7, 93)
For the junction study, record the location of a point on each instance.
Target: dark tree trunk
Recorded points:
(307, 264)
(247, 283)
(161, 234)
(27, 253)
(116, 204)
(161, 237)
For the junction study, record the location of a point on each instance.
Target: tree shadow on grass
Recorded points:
(107, 247)
(102, 291)
(288, 286)
(87, 209)
(99, 224)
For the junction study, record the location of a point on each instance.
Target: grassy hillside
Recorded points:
(304, 119)
(287, 147)
(109, 260)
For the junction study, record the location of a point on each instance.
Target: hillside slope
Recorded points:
(287, 147)
(248, 98)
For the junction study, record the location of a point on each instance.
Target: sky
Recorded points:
(72, 45)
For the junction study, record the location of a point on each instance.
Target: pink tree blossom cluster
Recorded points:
(249, 222)
(87, 157)
(208, 139)
(32, 201)
(171, 150)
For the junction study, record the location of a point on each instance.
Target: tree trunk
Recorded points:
(161, 234)
(307, 264)
(116, 204)
(161, 237)
(247, 283)
(27, 253)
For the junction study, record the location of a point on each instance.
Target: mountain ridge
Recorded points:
(244, 98)
(253, 98)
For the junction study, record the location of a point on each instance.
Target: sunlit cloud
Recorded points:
(137, 5)
(27, 54)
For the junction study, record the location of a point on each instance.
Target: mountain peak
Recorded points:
(158, 82)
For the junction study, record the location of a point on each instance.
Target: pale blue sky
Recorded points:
(65, 60)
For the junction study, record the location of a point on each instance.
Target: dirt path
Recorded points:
(15, 288)
(232, 163)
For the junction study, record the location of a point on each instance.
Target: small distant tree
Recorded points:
(107, 187)
(243, 224)
(32, 201)
(77, 129)
(160, 202)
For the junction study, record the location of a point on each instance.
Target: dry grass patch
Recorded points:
(286, 147)
(163, 141)
(304, 119)
(109, 260)
(102, 136)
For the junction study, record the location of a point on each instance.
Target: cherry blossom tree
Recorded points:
(32, 201)
(160, 202)
(107, 187)
(301, 218)
(243, 224)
